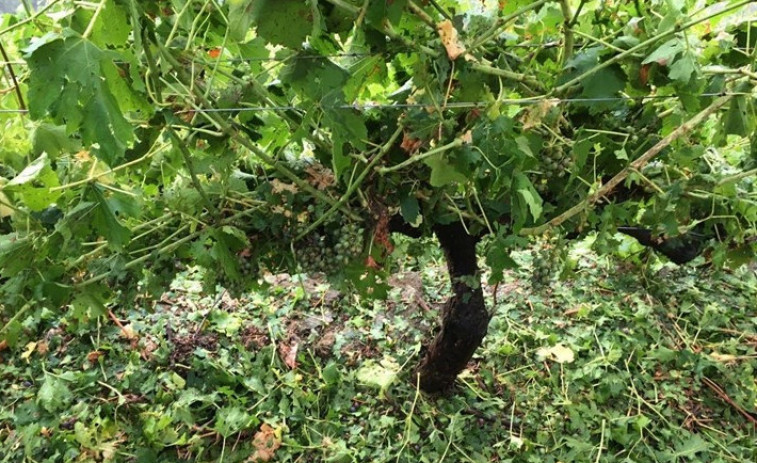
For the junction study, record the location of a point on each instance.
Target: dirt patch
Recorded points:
(184, 346)
(254, 338)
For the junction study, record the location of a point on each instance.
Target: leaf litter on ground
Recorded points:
(615, 363)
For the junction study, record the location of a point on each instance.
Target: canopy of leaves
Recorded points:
(249, 137)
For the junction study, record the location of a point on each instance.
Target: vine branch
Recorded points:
(8, 64)
(635, 165)
(568, 31)
(187, 156)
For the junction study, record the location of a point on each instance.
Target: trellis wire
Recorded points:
(453, 105)
(336, 55)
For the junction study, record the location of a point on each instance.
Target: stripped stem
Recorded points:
(346, 196)
(567, 31)
(643, 45)
(451, 145)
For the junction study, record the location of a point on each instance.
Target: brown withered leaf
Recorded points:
(410, 144)
(467, 137)
(370, 262)
(277, 186)
(450, 39)
(42, 347)
(83, 156)
(320, 177)
(94, 355)
(533, 116)
(288, 353)
(266, 441)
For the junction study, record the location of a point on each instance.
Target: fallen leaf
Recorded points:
(5, 210)
(724, 358)
(266, 441)
(94, 355)
(450, 39)
(30, 348)
(557, 353)
(370, 262)
(128, 332)
(288, 354)
(83, 156)
(320, 177)
(644, 74)
(42, 347)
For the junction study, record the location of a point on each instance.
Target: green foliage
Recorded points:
(255, 137)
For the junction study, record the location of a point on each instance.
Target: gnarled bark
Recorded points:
(464, 316)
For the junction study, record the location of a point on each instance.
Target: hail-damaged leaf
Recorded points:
(230, 420)
(54, 394)
(379, 375)
(450, 39)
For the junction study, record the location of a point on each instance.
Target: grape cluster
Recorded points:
(544, 262)
(555, 164)
(331, 249)
(248, 272)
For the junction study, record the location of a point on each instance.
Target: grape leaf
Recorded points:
(53, 140)
(346, 127)
(442, 172)
(665, 54)
(411, 211)
(683, 68)
(240, 18)
(34, 184)
(111, 27)
(739, 119)
(283, 22)
(67, 82)
(54, 394)
(105, 221)
(382, 10)
(527, 192)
